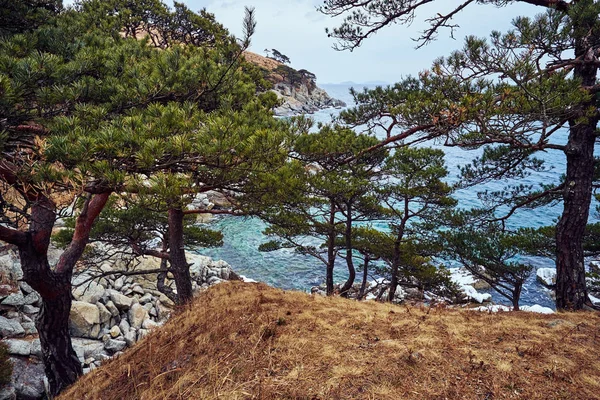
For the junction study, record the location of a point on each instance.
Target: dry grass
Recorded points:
(240, 341)
(263, 62)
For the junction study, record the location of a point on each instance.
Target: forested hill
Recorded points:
(296, 88)
(240, 340)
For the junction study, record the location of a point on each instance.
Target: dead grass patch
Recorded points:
(250, 341)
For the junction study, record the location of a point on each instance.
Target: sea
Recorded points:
(288, 269)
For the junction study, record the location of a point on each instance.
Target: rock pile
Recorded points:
(108, 315)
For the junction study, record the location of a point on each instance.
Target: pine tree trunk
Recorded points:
(179, 265)
(60, 360)
(571, 293)
(349, 261)
(363, 285)
(516, 295)
(61, 364)
(395, 267)
(330, 251)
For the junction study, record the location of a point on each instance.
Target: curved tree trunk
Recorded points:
(62, 367)
(516, 295)
(179, 265)
(571, 293)
(61, 364)
(349, 261)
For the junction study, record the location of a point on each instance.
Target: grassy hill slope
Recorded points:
(242, 340)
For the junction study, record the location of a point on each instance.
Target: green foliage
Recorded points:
(277, 55)
(26, 15)
(6, 367)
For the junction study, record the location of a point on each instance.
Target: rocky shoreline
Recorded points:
(108, 314)
(302, 100)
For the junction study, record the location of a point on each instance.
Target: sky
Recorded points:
(297, 29)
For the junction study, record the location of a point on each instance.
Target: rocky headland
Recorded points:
(296, 89)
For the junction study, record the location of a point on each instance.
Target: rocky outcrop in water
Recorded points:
(296, 89)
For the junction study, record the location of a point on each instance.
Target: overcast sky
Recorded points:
(296, 29)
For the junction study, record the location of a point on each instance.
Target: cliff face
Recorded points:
(296, 89)
(301, 99)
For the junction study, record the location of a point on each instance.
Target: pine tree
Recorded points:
(87, 111)
(513, 93)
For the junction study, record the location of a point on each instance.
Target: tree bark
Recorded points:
(330, 250)
(348, 244)
(395, 267)
(516, 295)
(571, 292)
(179, 265)
(396, 259)
(61, 364)
(363, 285)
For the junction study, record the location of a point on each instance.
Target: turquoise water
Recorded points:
(289, 270)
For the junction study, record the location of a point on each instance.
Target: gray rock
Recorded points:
(86, 348)
(124, 326)
(18, 347)
(25, 288)
(11, 266)
(29, 328)
(36, 348)
(147, 306)
(84, 320)
(119, 282)
(14, 299)
(137, 316)
(29, 309)
(122, 302)
(96, 332)
(104, 314)
(138, 290)
(106, 267)
(28, 378)
(130, 338)
(146, 298)
(90, 292)
(114, 346)
(10, 328)
(110, 306)
(213, 280)
(32, 298)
